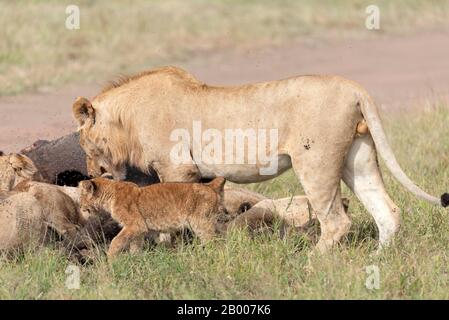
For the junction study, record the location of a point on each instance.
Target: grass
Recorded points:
(117, 36)
(241, 267)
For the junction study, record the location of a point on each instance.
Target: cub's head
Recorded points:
(90, 194)
(15, 168)
(103, 141)
(96, 194)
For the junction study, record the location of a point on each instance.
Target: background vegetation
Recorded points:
(122, 36)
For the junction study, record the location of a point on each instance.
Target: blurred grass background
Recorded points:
(123, 36)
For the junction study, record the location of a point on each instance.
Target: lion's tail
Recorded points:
(371, 115)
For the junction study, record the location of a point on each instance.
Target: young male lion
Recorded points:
(164, 207)
(327, 129)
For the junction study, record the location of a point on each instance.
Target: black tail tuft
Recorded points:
(445, 200)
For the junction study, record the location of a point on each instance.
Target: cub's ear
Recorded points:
(83, 110)
(217, 184)
(88, 186)
(1, 153)
(23, 165)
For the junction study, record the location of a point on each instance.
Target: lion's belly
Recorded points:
(246, 173)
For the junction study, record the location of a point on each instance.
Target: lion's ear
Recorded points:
(23, 165)
(1, 153)
(88, 186)
(83, 110)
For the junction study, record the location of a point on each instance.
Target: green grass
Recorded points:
(123, 36)
(240, 267)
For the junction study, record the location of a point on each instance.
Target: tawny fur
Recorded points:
(26, 216)
(294, 212)
(165, 207)
(101, 227)
(15, 168)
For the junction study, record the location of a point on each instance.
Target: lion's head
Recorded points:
(15, 168)
(104, 140)
(110, 127)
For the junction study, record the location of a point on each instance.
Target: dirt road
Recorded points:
(400, 72)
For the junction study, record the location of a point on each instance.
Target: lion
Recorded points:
(92, 229)
(294, 213)
(21, 222)
(29, 208)
(15, 168)
(102, 228)
(27, 216)
(163, 207)
(326, 128)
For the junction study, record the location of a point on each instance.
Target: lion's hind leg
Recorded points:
(363, 177)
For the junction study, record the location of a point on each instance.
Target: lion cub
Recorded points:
(164, 207)
(15, 168)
